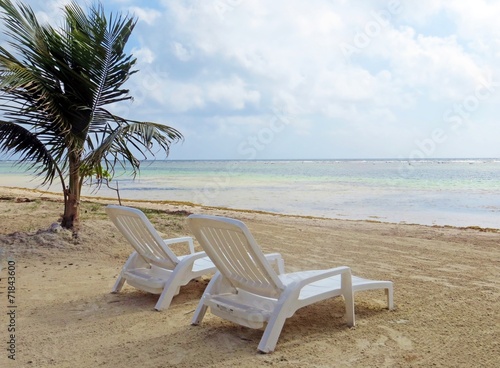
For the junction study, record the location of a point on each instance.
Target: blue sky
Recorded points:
(319, 79)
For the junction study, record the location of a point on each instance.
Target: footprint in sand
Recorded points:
(403, 342)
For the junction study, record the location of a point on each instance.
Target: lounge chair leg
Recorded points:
(390, 298)
(349, 309)
(167, 295)
(118, 284)
(199, 313)
(272, 333)
(131, 261)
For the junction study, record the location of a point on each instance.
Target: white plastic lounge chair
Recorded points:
(153, 266)
(247, 290)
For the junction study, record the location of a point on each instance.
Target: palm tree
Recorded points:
(54, 94)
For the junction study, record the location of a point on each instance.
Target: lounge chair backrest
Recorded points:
(140, 233)
(236, 255)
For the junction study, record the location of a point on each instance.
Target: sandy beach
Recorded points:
(446, 279)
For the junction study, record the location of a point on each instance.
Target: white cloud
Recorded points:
(50, 11)
(145, 55)
(176, 96)
(439, 64)
(182, 96)
(144, 14)
(232, 93)
(419, 12)
(181, 52)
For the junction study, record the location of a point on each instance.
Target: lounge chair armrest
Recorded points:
(184, 239)
(276, 260)
(342, 270)
(191, 258)
(187, 262)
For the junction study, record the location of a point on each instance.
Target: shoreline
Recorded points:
(428, 194)
(242, 210)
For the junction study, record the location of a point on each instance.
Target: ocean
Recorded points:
(455, 192)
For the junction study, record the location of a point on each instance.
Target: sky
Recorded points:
(316, 79)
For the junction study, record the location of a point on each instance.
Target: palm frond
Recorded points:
(18, 141)
(120, 143)
(107, 67)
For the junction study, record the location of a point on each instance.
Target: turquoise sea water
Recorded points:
(431, 192)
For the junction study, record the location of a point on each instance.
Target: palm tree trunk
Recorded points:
(71, 217)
